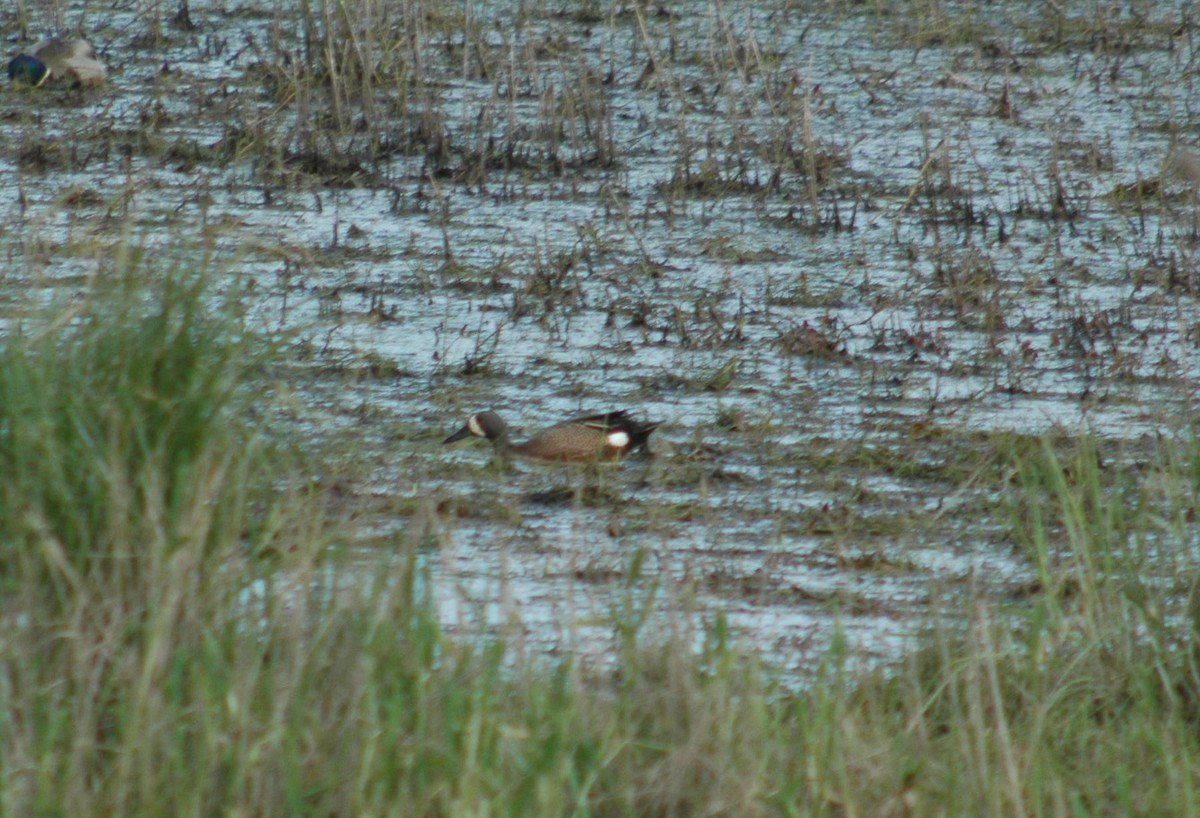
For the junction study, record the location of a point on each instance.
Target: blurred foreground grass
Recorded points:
(175, 643)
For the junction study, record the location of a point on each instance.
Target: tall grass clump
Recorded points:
(132, 485)
(123, 443)
(1076, 696)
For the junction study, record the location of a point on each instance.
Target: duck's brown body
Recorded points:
(588, 439)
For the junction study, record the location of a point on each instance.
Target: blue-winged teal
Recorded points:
(582, 440)
(71, 60)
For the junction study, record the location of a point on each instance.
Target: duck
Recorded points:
(74, 61)
(605, 437)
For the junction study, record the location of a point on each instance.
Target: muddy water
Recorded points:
(830, 248)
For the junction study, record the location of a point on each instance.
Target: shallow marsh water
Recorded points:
(837, 250)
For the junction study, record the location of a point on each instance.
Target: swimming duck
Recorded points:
(71, 60)
(587, 439)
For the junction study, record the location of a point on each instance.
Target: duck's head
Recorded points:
(485, 424)
(27, 70)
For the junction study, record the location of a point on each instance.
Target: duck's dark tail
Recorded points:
(638, 430)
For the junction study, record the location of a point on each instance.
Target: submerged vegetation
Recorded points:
(912, 284)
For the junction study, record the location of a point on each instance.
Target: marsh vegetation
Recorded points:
(913, 286)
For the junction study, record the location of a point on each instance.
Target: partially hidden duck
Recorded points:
(592, 438)
(57, 59)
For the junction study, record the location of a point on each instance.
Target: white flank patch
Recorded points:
(618, 439)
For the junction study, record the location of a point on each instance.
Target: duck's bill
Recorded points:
(459, 435)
